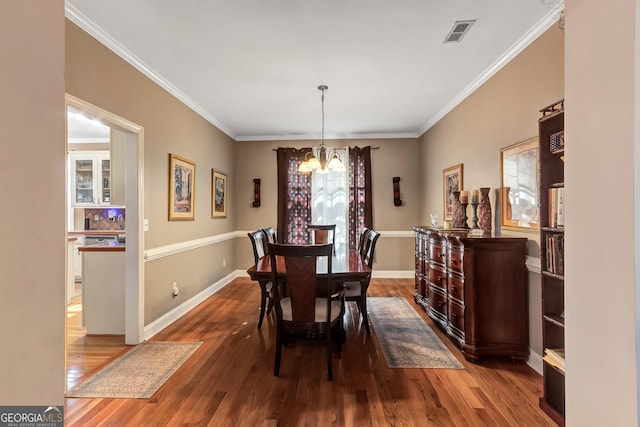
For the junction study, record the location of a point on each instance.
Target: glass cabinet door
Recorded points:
(105, 185)
(84, 181)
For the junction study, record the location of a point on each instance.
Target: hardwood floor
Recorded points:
(229, 381)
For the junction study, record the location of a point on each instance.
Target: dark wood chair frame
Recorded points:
(260, 249)
(362, 240)
(322, 229)
(304, 287)
(367, 251)
(270, 234)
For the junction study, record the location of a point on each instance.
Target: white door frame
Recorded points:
(134, 200)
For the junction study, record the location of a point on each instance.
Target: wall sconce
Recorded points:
(396, 191)
(256, 193)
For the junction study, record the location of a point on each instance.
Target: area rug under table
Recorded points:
(138, 373)
(405, 338)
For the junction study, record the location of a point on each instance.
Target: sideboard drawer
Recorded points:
(437, 252)
(455, 259)
(455, 287)
(456, 319)
(438, 302)
(438, 277)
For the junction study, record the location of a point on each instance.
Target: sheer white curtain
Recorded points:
(329, 196)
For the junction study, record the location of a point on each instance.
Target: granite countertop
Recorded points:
(97, 232)
(110, 246)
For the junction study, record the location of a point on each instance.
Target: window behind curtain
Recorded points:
(295, 198)
(329, 202)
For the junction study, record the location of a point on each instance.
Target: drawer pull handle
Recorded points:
(453, 287)
(439, 303)
(453, 315)
(440, 278)
(454, 262)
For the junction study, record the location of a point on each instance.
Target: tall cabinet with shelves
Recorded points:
(90, 179)
(551, 153)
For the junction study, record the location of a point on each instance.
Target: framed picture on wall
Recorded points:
(451, 181)
(519, 187)
(218, 194)
(182, 173)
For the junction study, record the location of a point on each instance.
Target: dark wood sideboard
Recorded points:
(475, 289)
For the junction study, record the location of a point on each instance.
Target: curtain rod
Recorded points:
(372, 148)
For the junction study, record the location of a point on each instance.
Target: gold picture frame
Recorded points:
(218, 194)
(452, 180)
(519, 186)
(182, 182)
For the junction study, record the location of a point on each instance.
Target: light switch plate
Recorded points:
(146, 225)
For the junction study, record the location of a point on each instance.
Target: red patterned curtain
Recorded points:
(294, 197)
(360, 194)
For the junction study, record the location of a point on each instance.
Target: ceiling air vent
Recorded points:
(458, 31)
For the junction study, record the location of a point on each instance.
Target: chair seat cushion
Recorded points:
(321, 309)
(352, 289)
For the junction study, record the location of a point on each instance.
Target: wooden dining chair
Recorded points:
(357, 291)
(311, 306)
(322, 234)
(270, 234)
(362, 240)
(259, 245)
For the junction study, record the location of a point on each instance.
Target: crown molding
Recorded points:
(543, 25)
(95, 31)
(313, 136)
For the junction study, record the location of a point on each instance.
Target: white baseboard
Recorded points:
(167, 319)
(535, 361)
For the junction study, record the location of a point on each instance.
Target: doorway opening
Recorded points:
(130, 140)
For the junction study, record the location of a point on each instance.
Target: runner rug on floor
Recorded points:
(138, 373)
(405, 338)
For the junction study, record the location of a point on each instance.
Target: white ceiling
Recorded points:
(252, 67)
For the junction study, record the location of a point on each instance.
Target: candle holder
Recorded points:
(474, 223)
(464, 215)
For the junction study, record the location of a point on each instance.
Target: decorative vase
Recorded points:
(484, 210)
(456, 210)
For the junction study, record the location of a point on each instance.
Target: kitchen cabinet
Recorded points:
(103, 289)
(90, 178)
(77, 258)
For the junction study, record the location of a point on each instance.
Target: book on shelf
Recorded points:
(554, 254)
(555, 357)
(556, 207)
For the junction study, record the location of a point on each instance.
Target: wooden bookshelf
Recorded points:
(551, 155)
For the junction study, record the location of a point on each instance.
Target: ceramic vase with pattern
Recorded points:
(456, 210)
(484, 210)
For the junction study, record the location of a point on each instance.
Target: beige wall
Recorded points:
(395, 157)
(502, 112)
(97, 75)
(600, 291)
(32, 311)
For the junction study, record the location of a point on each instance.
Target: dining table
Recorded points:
(345, 267)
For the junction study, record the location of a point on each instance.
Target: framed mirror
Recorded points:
(520, 202)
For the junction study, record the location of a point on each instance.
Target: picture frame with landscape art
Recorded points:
(519, 198)
(452, 180)
(218, 194)
(182, 174)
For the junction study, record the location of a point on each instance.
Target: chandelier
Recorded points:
(322, 159)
